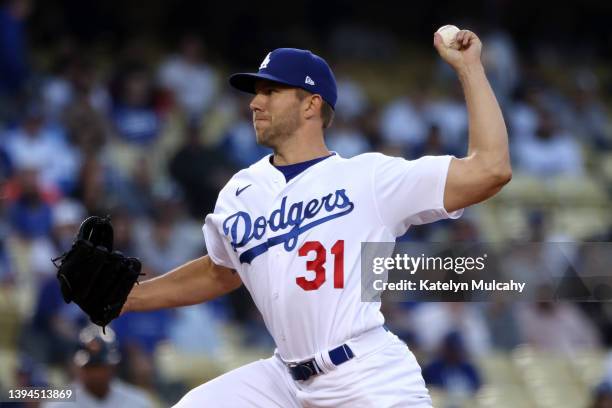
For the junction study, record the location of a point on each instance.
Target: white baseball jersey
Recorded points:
(296, 244)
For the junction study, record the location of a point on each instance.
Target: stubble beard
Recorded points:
(279, 129)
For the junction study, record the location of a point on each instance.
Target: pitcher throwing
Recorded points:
(290, 229)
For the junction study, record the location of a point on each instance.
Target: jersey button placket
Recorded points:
(274, 260)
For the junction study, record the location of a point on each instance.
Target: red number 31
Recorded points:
(317, 265)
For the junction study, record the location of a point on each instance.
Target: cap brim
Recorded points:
(246, 82)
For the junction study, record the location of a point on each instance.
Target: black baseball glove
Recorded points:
(94, 276)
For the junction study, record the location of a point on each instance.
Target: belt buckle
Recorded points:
(307, 369)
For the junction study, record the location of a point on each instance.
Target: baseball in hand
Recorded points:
(448, 34)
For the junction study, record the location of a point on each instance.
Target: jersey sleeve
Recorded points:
(217, 246)
(411, 192)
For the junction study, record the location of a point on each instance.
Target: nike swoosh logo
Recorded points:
(240, 190)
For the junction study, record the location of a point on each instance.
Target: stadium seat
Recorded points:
(497, 369)
(197, 368)
(9, 318)
(8, 363)
(588, 366)
(193, 369)
(549, 378)
(502, 396)
(570, 191)
(524, 190)
(605, 167)
(581, 222)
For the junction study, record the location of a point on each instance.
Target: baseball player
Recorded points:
(290, 228)
(96, 385)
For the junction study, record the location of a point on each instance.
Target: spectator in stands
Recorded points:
(165, 241)
(28, 373)
(14, 69)
(201, 171)
(35, 145)
(95, 384)
(590, 121)
(502, 323)
(403, 122)
(134, 115)
(449, 115)
(29, 212)
(433, 321)
(433, 144)
(135, 191)
(552, 152)
(347, 139)
(139, 335)
(452, 371)
(83, 106)
(196, 329)
(66, 216)
(192, 82)
(74, 86)
(239, 142)
(123, 227)
(98, 186)
(50, 335)
(352, 99)
(556, 326)
(501, 61)
(87, 129)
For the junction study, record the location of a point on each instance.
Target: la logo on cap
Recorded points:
(265, 62)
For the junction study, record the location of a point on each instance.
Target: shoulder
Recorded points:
(255, 171)
(367, 159)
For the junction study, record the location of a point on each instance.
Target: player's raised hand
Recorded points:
(463, 52)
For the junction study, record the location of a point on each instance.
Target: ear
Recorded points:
(312, 106)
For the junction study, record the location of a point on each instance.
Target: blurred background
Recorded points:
(123, 108)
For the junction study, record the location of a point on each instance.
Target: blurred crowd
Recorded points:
(151, 142)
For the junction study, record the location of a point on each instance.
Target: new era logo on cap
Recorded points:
(293, 67)
(265, 62)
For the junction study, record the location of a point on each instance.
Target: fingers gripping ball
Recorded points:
(93, 275)
(448, 34)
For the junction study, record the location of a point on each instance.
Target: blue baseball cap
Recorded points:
(293, 67)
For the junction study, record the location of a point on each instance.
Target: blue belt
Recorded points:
(306, 369)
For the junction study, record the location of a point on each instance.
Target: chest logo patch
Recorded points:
(288, 221)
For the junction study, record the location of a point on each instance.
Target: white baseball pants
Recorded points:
(383, 374)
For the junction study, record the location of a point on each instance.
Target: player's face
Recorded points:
(276, 112)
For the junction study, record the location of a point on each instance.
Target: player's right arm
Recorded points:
(194, 282)
(486, 168)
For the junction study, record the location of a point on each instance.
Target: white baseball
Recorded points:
(448, 33)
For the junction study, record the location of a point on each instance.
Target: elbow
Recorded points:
(495, 170)
(500, 171)
(502, 176)
(497, 177)
(497, 181)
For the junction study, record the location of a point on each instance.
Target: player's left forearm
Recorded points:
(488, 137)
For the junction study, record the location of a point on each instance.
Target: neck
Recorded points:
(300, 147)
